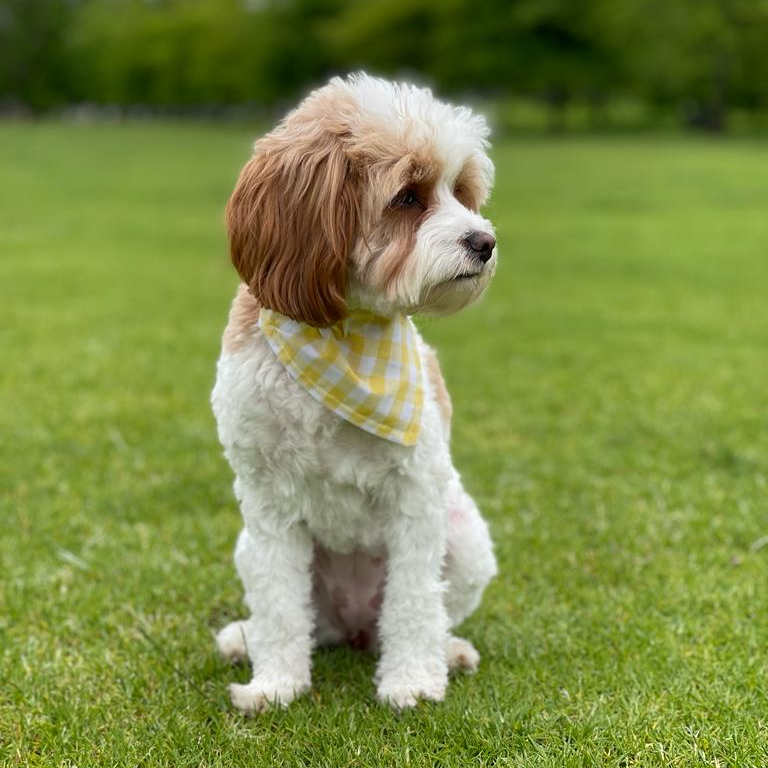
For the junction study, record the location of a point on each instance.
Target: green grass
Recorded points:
(611, 397)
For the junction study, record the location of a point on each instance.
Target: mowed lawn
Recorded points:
(611, 399)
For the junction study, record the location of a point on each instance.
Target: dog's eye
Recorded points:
(407, 199)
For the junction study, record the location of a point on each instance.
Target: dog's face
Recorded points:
(366, 196)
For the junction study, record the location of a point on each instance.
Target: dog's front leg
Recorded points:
(275, 568)
(413, 626)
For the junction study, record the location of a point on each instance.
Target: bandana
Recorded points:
(366, 369)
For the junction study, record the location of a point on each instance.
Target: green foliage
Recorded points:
(706, 54)
(192, 52)
(34, 67)
(388, 36)
(610, 417)
(703, 56)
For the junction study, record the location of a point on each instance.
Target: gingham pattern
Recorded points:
(365, 368)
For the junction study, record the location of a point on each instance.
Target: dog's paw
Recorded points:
(230, 642)
(462, 655)
(403, 695)
(404, 686)
(258, 695)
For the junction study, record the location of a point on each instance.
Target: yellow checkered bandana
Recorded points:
(366, 369)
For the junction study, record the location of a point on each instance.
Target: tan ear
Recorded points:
(292, 221)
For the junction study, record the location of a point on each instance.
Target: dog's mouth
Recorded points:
(467, 279)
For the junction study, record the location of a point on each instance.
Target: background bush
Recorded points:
(696, 59)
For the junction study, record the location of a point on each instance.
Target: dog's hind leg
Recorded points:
(462, 655)
(230, 642)
(469, 566)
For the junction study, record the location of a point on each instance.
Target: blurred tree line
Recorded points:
(699, 57)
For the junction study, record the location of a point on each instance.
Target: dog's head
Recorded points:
(365, 196)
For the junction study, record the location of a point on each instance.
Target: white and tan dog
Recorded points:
(365, 198)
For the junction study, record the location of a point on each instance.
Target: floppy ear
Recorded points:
(292, 222)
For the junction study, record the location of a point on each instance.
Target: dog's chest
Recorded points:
(310, 464)
(352, 494)
(358, 483)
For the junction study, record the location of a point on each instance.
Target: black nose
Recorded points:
(481, 244)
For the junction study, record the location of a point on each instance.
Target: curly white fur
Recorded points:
(349, 537)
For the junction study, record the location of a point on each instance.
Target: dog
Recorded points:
(360, 209)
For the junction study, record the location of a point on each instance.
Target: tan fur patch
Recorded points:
(243, 317)
(435, 376)
(393, 240)
(392, 230)
(470, 188)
